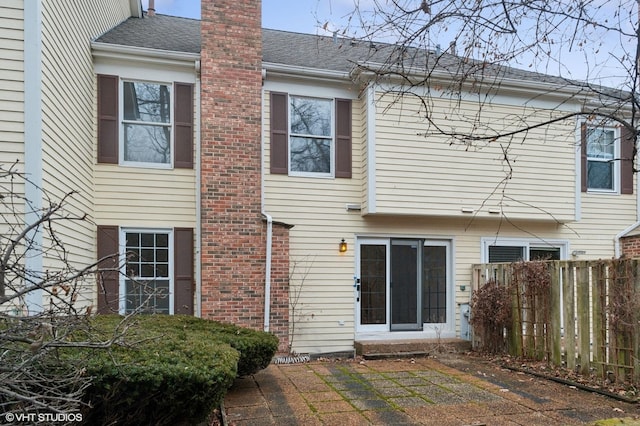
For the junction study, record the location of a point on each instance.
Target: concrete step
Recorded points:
(380, 349)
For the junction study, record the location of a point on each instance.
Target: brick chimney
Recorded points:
(151, 10)
(233, 231)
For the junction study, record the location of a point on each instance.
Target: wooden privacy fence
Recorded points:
(583, 315)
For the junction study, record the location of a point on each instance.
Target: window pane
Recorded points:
(162, 255)
(162, 270)
(147, 144)
(162, 240)
(133, 239)
(600, 175)
(147, 296)
(498, 254)
(544, 253)
(147, 240)
(146, 102)
(147, 270)
(434, 287)
(600, 143)
(373, 282)
(148, 259)
(310, 155)
(311, 116)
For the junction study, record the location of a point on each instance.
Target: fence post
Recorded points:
(555, 337)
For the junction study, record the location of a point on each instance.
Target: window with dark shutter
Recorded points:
(303, 149)
(279, 134)
(627, 145)
(343, 138)
(599, 163)
(139, 121)
(108, 119)
(184, 271)
(183, 125)
(108, 276)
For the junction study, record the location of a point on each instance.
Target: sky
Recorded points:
(310, 16)
(290, 15)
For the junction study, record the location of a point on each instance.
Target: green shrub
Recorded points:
(160, 376)
(171, 369)
(256, 348)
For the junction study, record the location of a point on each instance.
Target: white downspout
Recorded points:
(33, 162)
(267, 272)
(198, 166)
(267, 278)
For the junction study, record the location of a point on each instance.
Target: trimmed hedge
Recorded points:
(173, 370)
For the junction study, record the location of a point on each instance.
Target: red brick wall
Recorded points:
(233, 230)
(630, 246)
(233, 233)
(280, 285)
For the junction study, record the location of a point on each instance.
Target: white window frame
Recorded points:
(122, 122)
(429, 330)
(527, 243)
(123, 272)
(615, 160)
(331, 138)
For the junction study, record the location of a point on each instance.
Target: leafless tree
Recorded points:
(587, 50)
(34, 377)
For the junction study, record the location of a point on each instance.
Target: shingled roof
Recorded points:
(170, 33)
(159, 32)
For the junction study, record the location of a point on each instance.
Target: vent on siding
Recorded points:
(498, 254)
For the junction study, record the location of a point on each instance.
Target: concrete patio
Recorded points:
(456, 390)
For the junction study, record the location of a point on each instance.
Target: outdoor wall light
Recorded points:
(342, 248)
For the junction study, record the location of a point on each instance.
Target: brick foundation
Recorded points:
(233, 229)
(630, 246)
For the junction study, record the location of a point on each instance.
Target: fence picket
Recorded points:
(584, 316)
(568, 297)
(598, 291)
(553, 336)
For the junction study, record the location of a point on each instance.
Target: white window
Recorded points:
(311, 146)
(514, 250)
(602, 150)
(146, 123)
(147, 284)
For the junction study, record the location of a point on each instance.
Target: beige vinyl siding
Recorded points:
(428, 175)
(130, 196)
(67, 111)
(316, 208)
(11, 81)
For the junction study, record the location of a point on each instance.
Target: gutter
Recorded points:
(306, 72)
(142, 54)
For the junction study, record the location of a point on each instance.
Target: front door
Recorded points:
(403, 284)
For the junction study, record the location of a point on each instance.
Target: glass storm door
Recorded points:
(403, 285)
(372, 285)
